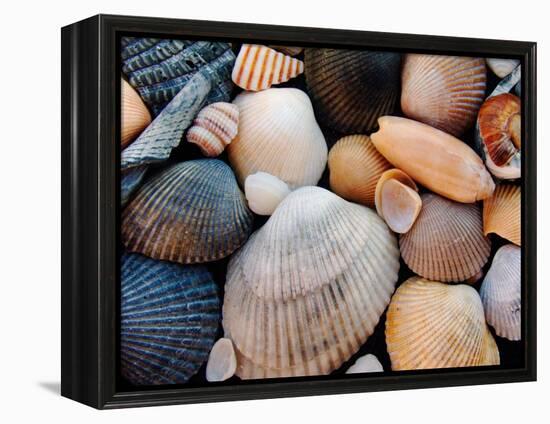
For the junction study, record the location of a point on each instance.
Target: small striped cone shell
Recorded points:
(191, 212)
(501, 293)
(502, 213)
(264, 192)
(307, 312)
(444, 92)
(170, 315)
(433, 325)
(259, 67)
(446, 243)
(289, 50)
(135, 115)
(502, 67)
(214, 128)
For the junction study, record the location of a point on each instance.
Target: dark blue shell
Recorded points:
(170, 315)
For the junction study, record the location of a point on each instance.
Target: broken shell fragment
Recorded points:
(264, 192)
(222, 361)
(367, 363)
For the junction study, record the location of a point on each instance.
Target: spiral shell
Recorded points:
(502, 213)
(367, 363)
(502, 67)
(135, 116)
(264, 192)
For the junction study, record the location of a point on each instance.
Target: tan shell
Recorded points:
(259, 67)
(135, 116)
(433, 325)
(437, 160)
(502, 213)
(214, 128)
(444, 92)
(446, 243)
(222, 361)
(289, 50)
(355, 166)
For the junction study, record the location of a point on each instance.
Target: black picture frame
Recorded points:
(90, 221)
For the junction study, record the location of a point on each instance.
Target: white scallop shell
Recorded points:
(222, 361)
(367, 363)
(264, 192)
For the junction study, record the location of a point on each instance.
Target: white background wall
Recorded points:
(29, 240)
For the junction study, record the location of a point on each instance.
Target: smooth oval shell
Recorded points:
(437, 160)
(502, 213)
(264, 192)
(502, 67)
(433, 325)
(259, 67)
(351, 89)
(278, 134)
(214, 128)
(222, 361)
(400, 205)
(134, 114)
(355, 166)
(444, 92)
(191, 212)
(169, 319)
(446, 243)
(501, 293)
(367, 363)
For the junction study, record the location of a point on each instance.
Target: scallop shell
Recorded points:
(355, 166)
(264, 192)
(169, 319)
(214, 128)
(446, 243)
(434, 325)
(289, 50)
(350, 89)
(308, 311)
(278, 134)
(222, 361)
(259, 67)
(502, 213)
(130, 180)
(135, 115)
(191, 212)
(367, 363)
(502, 67)
(501, 293)
(437, 160)
(444, 92)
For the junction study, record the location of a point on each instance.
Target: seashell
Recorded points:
(434, 325)
(214, 128)
(444, 92)
(289, 50)
(351, 89)
(355, 166)
(169, 319)
(191, 212)
(501, 293)
(135, 115)
(278, 134)
(437, 160)
(367, 363)
(264, 192)
(308, 312)
(446, 243)
(130, 179)
(502, 67)
(222, 361)
(259, 67)
(502, 213)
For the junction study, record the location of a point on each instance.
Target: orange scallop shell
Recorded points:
(502, 213)
(135, 116)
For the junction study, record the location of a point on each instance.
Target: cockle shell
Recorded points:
(214, 128)
(433, 325)
(437, 160)
(169, 319)
(350, 89)
(278, 134)
(134, 114)
(502, 67)
(446, 243)
(191, 212)
(222, 361)
(308, 311)
(355, 166)
(501, 293)
(502, 213)
(289, 50)
(444, 92)
(259, 67)
(367, 363)
(264, 192)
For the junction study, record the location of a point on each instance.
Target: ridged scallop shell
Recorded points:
(278, 134)
(350, 89)
(502, 213)
(433, 325)
(191, 212)
(446, 243)
(169, 319)
(367, 363)
(259, 67)
(355, 167)
(444, 92)
(214, 128)
(264, 192)
(501, 293)
(307, 289)
(502, 67)
(134, 114)
(222, 361)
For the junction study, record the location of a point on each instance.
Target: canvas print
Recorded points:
(291, 212)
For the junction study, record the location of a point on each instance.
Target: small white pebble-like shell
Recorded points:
(222, 361)
(264, 192)
(367, 363)
(502, 67)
